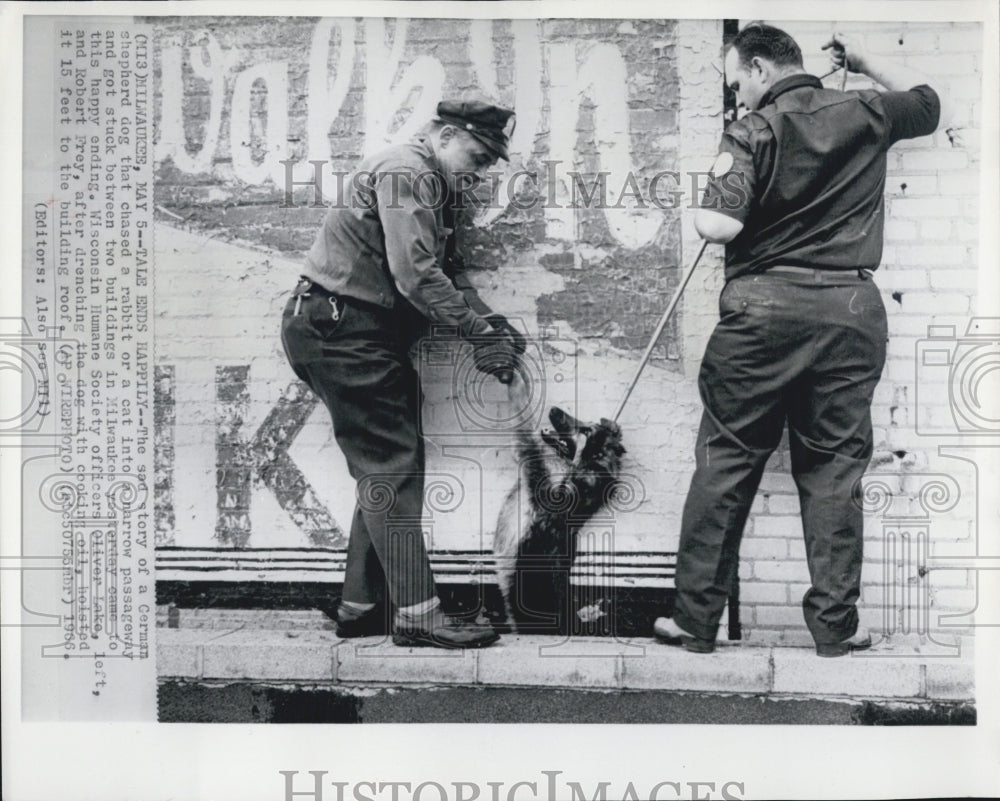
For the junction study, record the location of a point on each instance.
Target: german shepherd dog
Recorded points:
(565, 475)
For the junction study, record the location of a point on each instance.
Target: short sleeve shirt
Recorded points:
(805, 174)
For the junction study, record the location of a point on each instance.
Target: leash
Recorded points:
(659, 328)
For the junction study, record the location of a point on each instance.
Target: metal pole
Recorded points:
(659, 328)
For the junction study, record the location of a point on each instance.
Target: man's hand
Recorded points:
(495, 354)
(849, 50)
(501, 323)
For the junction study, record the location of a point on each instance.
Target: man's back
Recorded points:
(814, 164)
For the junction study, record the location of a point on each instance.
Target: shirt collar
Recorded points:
(787, 84)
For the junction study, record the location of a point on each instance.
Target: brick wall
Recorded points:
(247, 459)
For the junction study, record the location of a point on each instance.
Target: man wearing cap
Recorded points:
(382, 269)
(797, 197)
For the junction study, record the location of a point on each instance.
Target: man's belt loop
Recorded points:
(301, 291)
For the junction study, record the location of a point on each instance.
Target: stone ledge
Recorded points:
(894, 672)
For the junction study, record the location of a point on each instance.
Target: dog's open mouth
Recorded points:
(567, 435)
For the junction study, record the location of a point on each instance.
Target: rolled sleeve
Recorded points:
(912, 113)
(732, 185)
(407, 206)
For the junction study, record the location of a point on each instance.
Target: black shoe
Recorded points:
(437, 630)
(665, 630)
(861, 640)
(371, 623)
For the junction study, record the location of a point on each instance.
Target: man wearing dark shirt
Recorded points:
(381, 268)
(797, 197)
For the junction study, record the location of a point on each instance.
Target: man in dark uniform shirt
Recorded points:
(797, 197)
(382, 267)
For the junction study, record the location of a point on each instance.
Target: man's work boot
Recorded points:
(665, 630)
(435, 629)
(370, 623)
(861, 640)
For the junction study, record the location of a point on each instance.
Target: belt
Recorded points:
(819, 274)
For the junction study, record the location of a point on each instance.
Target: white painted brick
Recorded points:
(873, 595)
(777, 482)
(796, 590)
(889, 256)
(784, 615)
(935, 303)
(967, 231)
(946, 64)
(797, 549)
(789, 527)
(968, 39)
(907, 325)
(961, 183)
(888, 43)
(917, 143)
(918, 208)
(891, 279)
(958, 599)
(968, 88)
(780, 571)
(935, 229)
(801, 671)
(955, 280)
(900, 230)
(755, 636)
(934, 160)
(783, 504)
(940, 577)
(763, 592)
(900, 346)
(933, 255)
(762, 549)
(911, 185)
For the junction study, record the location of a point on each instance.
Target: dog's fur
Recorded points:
(564, 477)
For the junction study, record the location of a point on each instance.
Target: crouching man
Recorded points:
(377, 275)
(798, 199)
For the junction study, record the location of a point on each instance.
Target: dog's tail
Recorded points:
(506, 539)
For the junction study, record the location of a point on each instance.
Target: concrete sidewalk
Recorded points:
(226, 647)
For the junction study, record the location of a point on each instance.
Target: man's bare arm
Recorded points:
(885, 70)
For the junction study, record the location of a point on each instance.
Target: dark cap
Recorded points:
(484, 121)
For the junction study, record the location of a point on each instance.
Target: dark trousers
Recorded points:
(808, 349)
(359, 367)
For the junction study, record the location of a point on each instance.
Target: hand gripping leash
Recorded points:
(659, 328)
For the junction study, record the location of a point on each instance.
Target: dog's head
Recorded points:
(598, 445)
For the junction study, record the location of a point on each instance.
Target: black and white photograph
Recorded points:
(602, 401)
